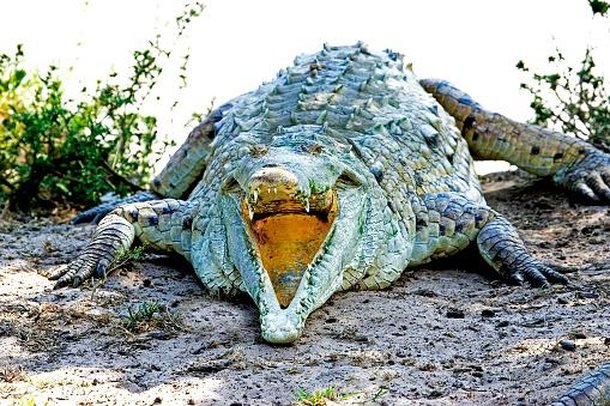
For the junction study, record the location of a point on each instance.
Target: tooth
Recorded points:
(307, 204)
(255, 196)
(250, 212)
(275, 190)
(269, 191)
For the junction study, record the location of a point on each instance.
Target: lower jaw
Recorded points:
(287, 244)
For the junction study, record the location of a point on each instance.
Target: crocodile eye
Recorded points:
(313, 149)
(349, 179)
(258, 151)
(377, 170)
(232, 186)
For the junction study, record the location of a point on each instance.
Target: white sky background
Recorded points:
(237, 44)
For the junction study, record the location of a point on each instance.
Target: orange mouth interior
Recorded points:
(287, 243)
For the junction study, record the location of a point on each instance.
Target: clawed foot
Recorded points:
(589, 178)
(76, 272)
(536, 273)
(114, 235)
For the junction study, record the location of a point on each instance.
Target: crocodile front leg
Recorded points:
(448, 222)
(165, 225)
(573, 164)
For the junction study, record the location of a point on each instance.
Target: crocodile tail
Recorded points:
(593, 389)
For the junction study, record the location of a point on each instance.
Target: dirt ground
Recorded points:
(443, 335)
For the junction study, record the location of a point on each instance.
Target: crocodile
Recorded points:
(339, 174)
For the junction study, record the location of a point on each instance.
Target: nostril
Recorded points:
(271, 185)
(349, 179)
(270, 166)
(273, 176)
(231, 185)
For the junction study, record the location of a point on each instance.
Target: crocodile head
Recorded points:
(296, 218)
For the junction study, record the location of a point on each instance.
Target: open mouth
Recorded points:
(288, 234)
(291, 235)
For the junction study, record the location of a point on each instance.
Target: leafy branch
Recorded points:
(54, 149)
(574, 100)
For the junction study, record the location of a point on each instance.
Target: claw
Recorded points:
(574, 286)
(60, 283)
(553, 276)
(76, 282)
(538, 275)
(516, 279)
(56, 272)
(596, 183)
(589, 178)
(564, 268)
(585, 191)
(605, 174)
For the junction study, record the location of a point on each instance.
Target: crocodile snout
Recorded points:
(273, 190)
(269, 186)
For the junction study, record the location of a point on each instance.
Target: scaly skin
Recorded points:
(164, 225)
(573, 164)
(592, 390)
(348, 142)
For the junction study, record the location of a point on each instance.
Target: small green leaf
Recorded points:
(599, 7)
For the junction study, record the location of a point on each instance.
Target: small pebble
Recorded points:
(567, 345)
(596, 240)
(401, 354)
(455, 314)
(159, 335)
(361, 338)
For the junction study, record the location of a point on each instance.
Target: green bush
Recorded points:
(58, 150)
(570, 99)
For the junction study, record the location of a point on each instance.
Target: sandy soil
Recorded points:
(446, 335)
